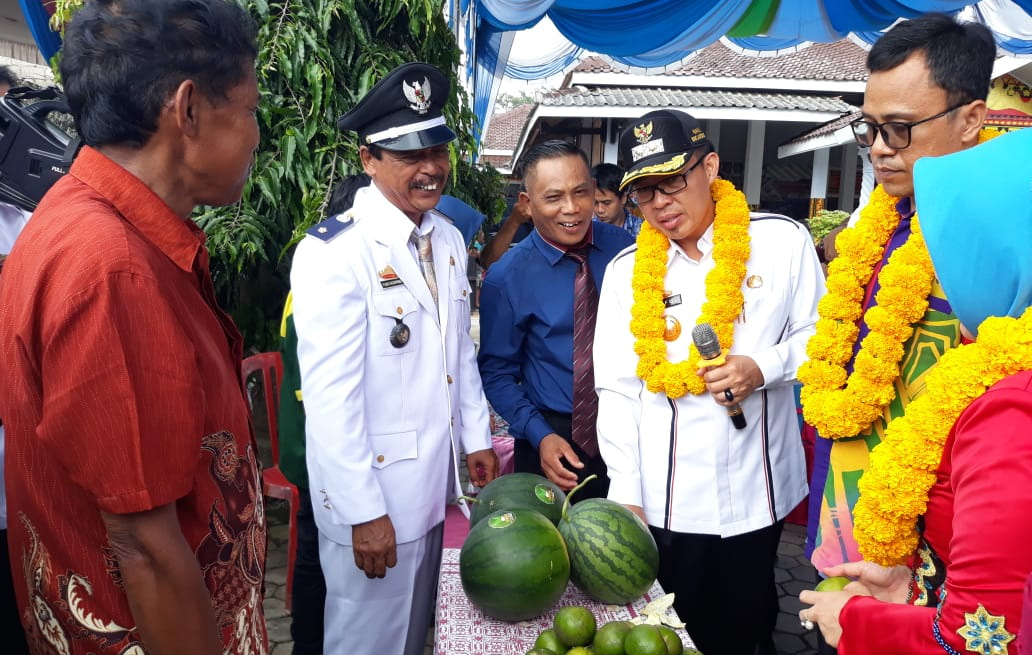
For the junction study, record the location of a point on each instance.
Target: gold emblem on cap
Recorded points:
(418, 95)
(643, 132)
(754, 282)
(671, 328)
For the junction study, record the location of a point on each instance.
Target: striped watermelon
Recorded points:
(514, 565)
(613, 557)
(518, 490)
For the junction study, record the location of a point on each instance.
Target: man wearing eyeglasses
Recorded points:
(925, 97)
(713, 492)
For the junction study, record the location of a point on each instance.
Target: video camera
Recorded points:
(34, 151)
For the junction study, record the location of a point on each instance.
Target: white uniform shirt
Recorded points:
(12, 220)
(682, 460)
(384, 421)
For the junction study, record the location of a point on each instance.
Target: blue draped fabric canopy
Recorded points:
(652, 35)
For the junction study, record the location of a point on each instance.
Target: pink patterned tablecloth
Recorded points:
(464, 630)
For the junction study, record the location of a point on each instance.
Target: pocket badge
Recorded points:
(400, 334)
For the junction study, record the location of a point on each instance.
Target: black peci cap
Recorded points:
(403, 110)
(658, 143)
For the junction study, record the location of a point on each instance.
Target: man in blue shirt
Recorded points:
(610, 201)
(530, 335)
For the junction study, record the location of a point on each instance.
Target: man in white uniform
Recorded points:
(388, 373)
(714, 495)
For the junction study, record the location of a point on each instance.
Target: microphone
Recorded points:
(708, 345)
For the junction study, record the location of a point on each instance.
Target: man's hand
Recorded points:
(739, 374)
(520, 212)
(374, 546)
(482, 466)
(496, 247)
(552, 450)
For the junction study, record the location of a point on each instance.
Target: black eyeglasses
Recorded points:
(895, 134)
(668, 186)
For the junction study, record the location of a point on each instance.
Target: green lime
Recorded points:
(673, 642)
(833, 584)
(548, 640)
(574, 625)
(542, 651)
(610, 637)
(645, 640)
(580, 650)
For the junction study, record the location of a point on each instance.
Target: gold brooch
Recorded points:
(985, 633)
(672, 328)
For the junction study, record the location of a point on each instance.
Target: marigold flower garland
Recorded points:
(844, 407)
(903, 468)
(837, 406)
(724, 296)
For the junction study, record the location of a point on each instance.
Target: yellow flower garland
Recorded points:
(724, 296)
(837, 406)
(844, 407)
(894, 490)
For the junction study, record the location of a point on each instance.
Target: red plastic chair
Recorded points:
(274, 484)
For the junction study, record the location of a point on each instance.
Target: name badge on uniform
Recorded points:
(671, 299)
(388, 278)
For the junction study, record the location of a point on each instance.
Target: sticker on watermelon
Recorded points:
(503, 520)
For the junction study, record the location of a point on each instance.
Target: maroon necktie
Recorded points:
(585, 310)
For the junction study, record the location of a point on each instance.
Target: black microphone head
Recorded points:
(706, 340)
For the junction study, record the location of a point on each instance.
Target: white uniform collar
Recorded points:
(704, 244)
(393, 226)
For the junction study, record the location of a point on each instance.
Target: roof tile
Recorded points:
(656, 98)
(842, 60)
(504, 130)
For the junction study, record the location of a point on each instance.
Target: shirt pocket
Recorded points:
(764, 297)
(394, 447)
(394, 309)
(460, 291)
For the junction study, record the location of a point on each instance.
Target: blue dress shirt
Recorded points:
(526, 328)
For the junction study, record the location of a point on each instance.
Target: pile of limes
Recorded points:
(575, 632)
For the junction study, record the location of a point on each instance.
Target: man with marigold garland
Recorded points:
(714, 496)
(942, 520)
(886, 321)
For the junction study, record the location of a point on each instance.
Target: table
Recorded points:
(464, 630)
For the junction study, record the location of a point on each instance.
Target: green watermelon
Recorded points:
(613, 557)
(514, 565)
(518, 491)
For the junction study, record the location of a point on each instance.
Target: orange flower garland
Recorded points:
(839, 407)
(724, 296)
(894, 490)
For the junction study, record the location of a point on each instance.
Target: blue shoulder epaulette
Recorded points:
(332, 226)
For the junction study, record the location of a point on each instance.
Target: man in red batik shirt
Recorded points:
(136, 518)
